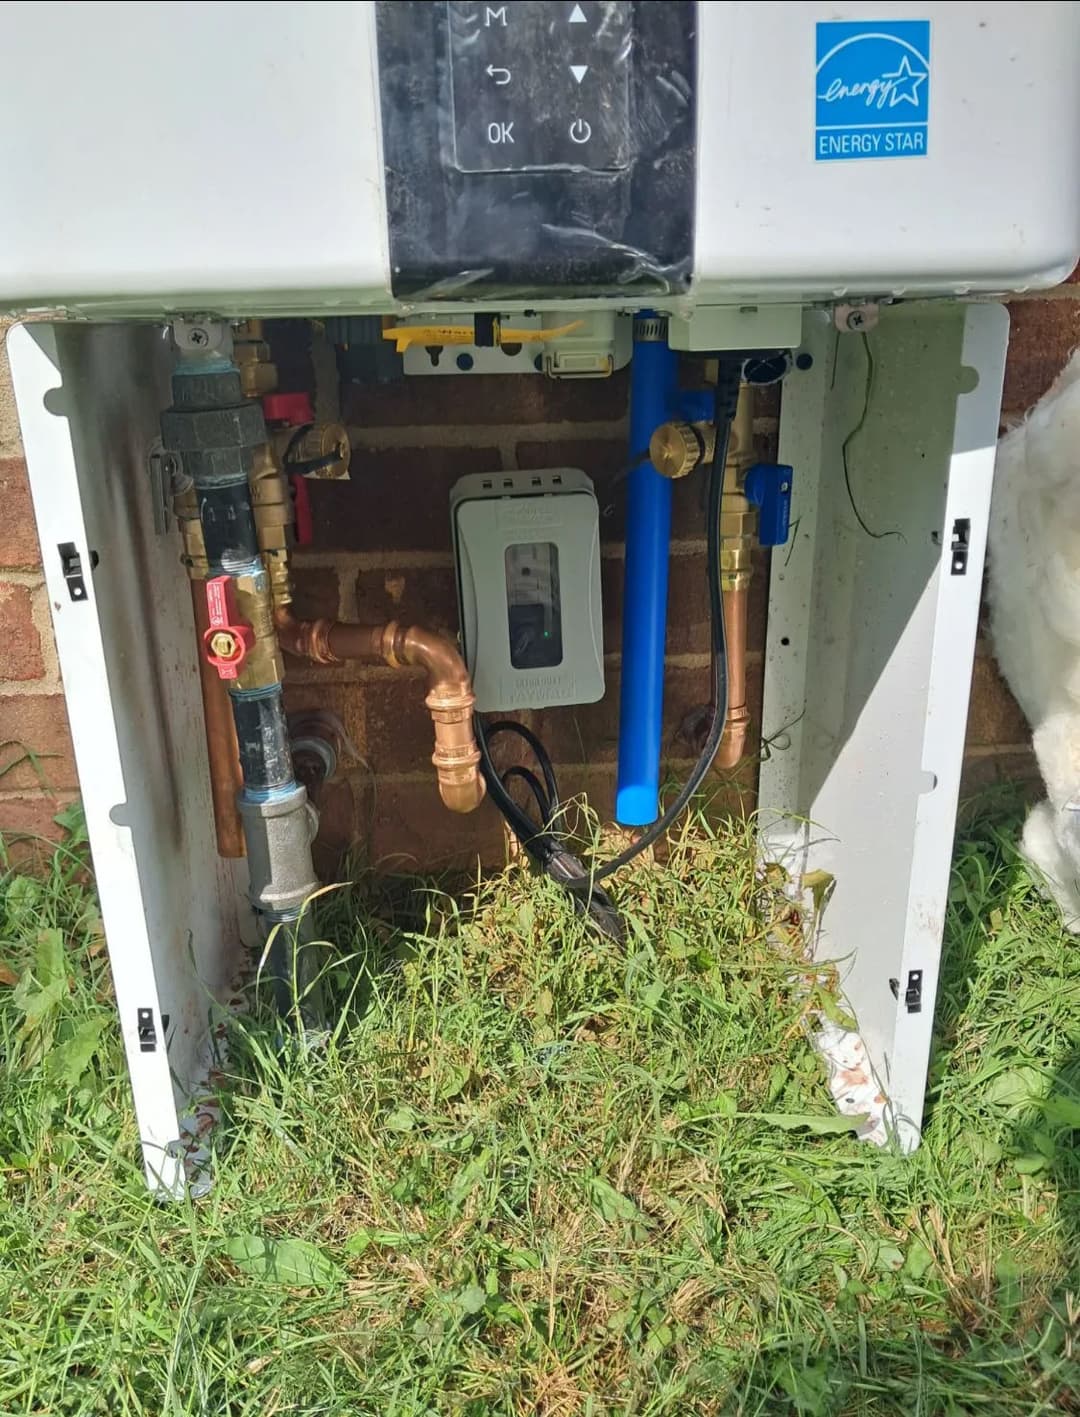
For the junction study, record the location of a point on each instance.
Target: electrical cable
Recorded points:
(582, 880)
(532, 782)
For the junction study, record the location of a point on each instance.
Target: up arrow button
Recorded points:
(577, 16)
(579, 71)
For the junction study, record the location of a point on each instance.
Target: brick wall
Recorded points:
(382, 549)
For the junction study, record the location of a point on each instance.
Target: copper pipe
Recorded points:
(733, 743)
(738, 527)
(450, 698)
(221, 747)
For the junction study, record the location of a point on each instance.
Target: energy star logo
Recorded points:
(872, 94)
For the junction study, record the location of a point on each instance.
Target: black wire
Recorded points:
(532, 782)
(509, 725)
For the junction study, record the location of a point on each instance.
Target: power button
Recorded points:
(580, 130)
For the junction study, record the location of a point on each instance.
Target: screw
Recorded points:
(198, 336)
(856, 319)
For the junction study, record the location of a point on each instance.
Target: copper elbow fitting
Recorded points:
(450, 699)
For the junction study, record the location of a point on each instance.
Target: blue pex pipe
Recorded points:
(648, 532)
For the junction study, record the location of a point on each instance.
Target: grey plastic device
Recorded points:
(527, 548)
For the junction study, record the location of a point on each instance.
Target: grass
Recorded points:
(536, 1172)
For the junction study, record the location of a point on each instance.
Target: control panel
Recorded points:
(537, 84)
(538, 146)
(527, 550)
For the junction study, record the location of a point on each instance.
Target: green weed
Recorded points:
(533, 1171)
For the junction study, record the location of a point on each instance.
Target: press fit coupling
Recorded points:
(279, 833)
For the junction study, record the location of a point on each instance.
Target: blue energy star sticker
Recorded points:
(872, 89)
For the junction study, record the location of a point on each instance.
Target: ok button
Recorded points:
(580, 131)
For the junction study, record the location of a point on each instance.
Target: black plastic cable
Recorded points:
(532, 782)
(509, 725)
(581, 880)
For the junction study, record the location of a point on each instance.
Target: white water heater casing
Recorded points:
(127, 191)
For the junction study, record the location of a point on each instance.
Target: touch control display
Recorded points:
(538, 148)
(540, 83)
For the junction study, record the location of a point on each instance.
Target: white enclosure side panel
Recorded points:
(870, 645)
(971, 475)
(173, 912)
(164, 152)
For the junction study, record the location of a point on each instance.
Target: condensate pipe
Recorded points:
(653, 371)
(450, 699)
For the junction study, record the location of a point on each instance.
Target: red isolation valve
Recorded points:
(227, 641)
(295, 409)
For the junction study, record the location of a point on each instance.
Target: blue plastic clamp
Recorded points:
(768, 487)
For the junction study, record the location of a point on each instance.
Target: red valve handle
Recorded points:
(227, 642)
(293, 409)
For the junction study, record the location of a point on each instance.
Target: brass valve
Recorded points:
(323, 448)
(676, 448)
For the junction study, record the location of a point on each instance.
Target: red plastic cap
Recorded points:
(292, 409)
(303, 523)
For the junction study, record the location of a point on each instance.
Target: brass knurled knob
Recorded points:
(676, 449)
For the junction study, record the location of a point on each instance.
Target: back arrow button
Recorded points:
(501, 76)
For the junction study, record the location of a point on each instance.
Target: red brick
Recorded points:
(603, 459)
(722, 795)
(346, 701)
(396, 499)
(315, 591)
(483, 400)
(993, 714)
(399, 732)
(413, 831)
(1042, 336)
(992, 769)
(589, 733)
(339, 823)
(688, 627)
(18, 530)
(21, 655)
(36, 723)
(27, 828)
(413, 595)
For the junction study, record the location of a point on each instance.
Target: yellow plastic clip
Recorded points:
(405, 336)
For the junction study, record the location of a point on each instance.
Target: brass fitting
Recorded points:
(273, 510)
(450, 699)
(251, 355)
(263, 664)
(676, 448)
(325, 442)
